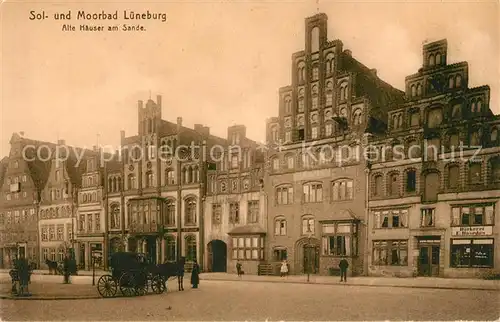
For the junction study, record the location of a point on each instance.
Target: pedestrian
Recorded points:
(195, 274)
(343, 265)
(284, 269)
(66, 268)
(238, 269)
(23, 274)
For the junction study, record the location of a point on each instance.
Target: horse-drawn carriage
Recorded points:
(132, 274)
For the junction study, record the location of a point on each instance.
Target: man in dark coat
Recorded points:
(238, 268)
(23, 271)
(343, 265)
(66, 268)
(195, 274)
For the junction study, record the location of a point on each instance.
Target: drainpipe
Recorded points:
(367, 219)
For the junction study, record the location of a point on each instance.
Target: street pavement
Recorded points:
(246, 300)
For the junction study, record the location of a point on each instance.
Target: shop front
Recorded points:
(90, 253)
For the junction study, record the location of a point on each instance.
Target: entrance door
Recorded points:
(218, 255)
(311, 259)
(428, 262)
(151, 249)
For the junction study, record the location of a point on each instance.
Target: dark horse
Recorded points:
(171, 269)
(53, 266)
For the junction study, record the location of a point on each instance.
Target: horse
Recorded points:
(53, 266)
(171, 269)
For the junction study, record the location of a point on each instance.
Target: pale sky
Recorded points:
(216, 63)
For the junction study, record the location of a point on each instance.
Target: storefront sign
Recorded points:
(472, 231)
(190, 230)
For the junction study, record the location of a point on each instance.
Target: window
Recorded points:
(390, 253)
(190, 215)
(456, 111)
(288, 105)
(276, 163)
(313, 192)
(474, 139)
(419, 90)
(234, 213)
(431, 60)
(467, 253)
(494, 169)
(393, 184)
(377, 185)
(90, 225)
(453, 142)
(190, 248)
(415, 119)
(434, 118)
(301, 101)
(45, 255)
(314, 132)
(288, 136)
(248, 248)
(289, 161)
(357, 118)
(52, 254)
(216, 214)
(234, 162)
(45, 236)
(470, 215)
(280, 227)
(284, 195)
(431, 186)
(169, 219)
(279, 254)
(81, 223)
(475, 173)
(397, 218)
(339, 239)
(307, 225)
(169, 177)
(131, 182)
(253, 211)
(328, 129)
(69, 232)
(413, 91)
(433, 148)
(453, 176)
(149, 179)
(342, 190)
(427, 217)
(52, 233)
(97, 219)
(170, 254)
(411, 181)
(315, 72)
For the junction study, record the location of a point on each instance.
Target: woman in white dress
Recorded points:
(284, 269)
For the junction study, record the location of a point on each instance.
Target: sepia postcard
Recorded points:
(203, 160)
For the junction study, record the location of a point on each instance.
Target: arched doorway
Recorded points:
(307, 255)
(217, 256)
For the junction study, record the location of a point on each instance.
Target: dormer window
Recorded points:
(431, 60)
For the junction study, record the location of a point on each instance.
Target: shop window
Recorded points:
(248, 248)
(391, 218)
(467, 253)
(280, 227)
(234, 213)
(427, 217)
(339, 239)
(390, 253)
(312, 192)
(284, 195)
(470, 215)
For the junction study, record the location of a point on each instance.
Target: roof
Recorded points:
(247, 229)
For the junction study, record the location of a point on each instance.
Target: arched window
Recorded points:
(289, 161)
(329, 64)
(494, 135)
(419, 90)
(453, 142)
(475, 139)
(119, 183)
(190, 211)
(413, 91)
(149, 179)
(195, 174)
(169, 211)
(190, 248)
(377, 186)
(357, 117)
(342, 190)
(473, 106)
(431, 60)
(479, 106)
(343, 91)
(494, 170)
(456, 112)
(438, 59)
(393, 184)
(458, 81)
(115, 216)
(284, 195)
(312, 192)
(475, 173)
(280, 226)
(301, 101)
(453, 176)
(308, 225)
(314, 92)
(315, 39)
(288, 105)
(451, 82)
(329, 93)
(131, 181)
(274, 134)
(170, 251)
(275, 163)
(301, 72)
(169, 177)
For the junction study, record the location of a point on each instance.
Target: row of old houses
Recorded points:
(400, 183)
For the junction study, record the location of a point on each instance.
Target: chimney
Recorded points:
(139, 103)
(179, 124)
(348, 52)
(61, 142)
(158, 100)
(206, 131)
(122, 134)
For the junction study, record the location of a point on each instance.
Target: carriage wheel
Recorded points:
(127, 284)
(106, 286)
(158, 284)
(141, 286)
